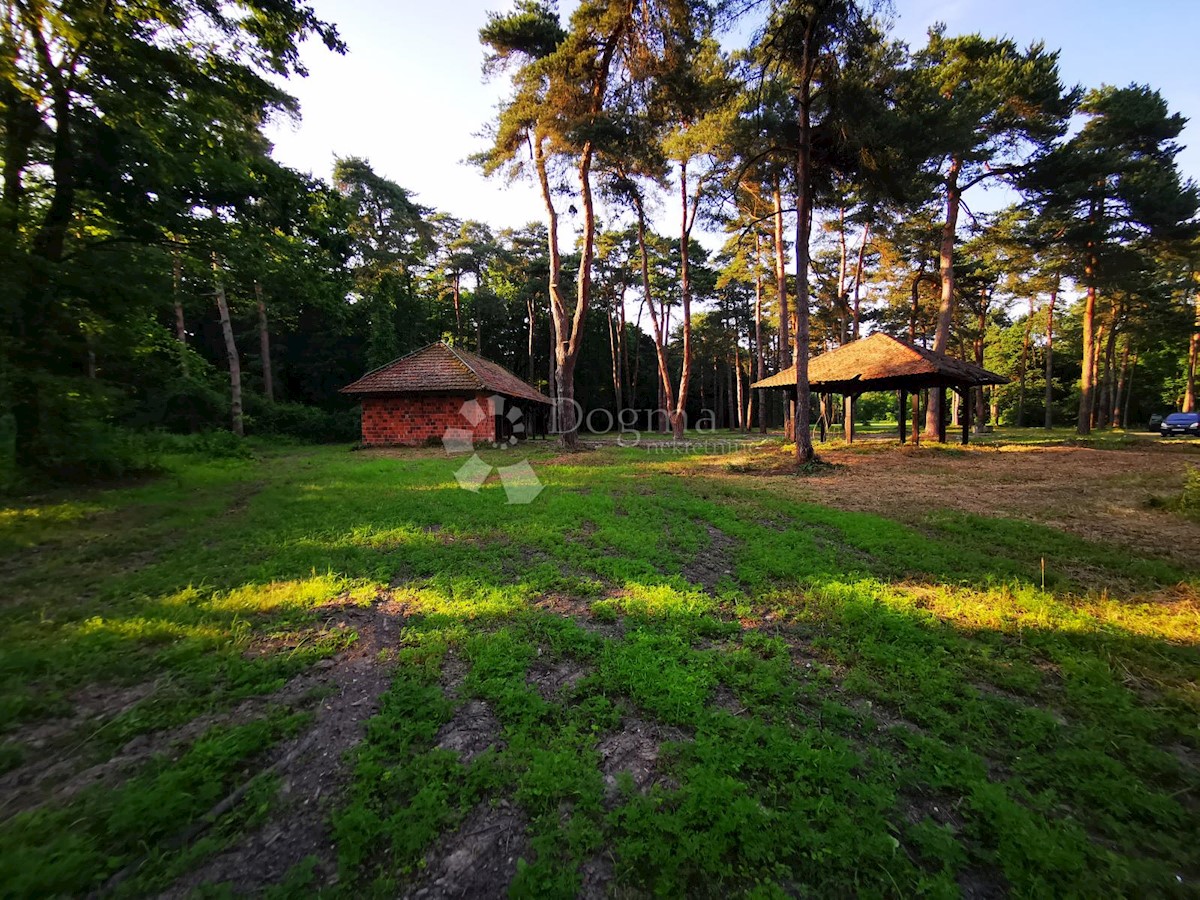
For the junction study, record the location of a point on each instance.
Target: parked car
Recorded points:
(1181, 423)
(1155, 422)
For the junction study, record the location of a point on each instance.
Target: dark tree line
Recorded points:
(159, 270)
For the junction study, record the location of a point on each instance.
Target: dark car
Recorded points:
(1180, 423)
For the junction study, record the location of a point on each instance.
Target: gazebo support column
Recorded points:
(823, 403)
(965, 415)
(903, 416)
(848, 417)
(941, 429)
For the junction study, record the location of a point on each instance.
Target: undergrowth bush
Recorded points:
(298, 420)
(1189, 500)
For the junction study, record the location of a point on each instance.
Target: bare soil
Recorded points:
(635, 749)
(713, 562)
(477, 860)
(473, 730)
(552, 677)
(313, 767)
(1099, 495)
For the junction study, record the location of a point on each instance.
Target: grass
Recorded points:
(822, 701)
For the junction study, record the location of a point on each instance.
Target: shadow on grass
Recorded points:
(1056, 732)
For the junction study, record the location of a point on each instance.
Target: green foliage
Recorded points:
(76, 848)
(305, 423)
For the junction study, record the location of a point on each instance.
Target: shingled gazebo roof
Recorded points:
(883, 363)
(440, 369)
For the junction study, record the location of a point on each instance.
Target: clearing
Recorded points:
(672, 673)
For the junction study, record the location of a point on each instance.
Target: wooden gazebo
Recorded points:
(884, 363)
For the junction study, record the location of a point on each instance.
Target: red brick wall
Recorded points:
(415, 419)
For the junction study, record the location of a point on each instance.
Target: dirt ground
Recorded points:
(1099, 495)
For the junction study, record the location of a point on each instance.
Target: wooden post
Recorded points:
(824, 413)
(941, 423)
(965, 412)
(903, 416)
(848, 417)
(916, 420)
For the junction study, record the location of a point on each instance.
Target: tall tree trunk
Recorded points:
(941, 337)
(1087, 373)
(177, 298)
(562, 361)
(842, 302)
(1084, 424)
(803, 416)
(781, 289)
(456, 292)
(1024, 367)
(623, 356)
(743, 423)
(761, 370)
(529, 350)
(858, 273)
(231, 351)
(678, 417)
(665, 399)
(1050, 354)
(980, 400)
(1121, 381)
(264, 343)
(1129, 391)
(1189, 394)
(615, 354)
(21, 123)
(1097, 343)
(1107, 384)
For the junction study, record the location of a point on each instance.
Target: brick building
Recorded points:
(442, 391)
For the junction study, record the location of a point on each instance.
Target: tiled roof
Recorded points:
(439, 368)
(885, 360)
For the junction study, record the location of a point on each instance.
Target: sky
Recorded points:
(409, 95)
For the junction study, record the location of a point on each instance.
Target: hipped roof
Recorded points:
(439, 369)
(881, 362)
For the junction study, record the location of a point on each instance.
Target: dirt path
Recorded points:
(312, 768)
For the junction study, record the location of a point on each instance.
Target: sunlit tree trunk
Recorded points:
(1087, 367)
(1050, 354)
(665, 398)
(761, 370)
(1189, 394)
(858, 273)
(941, 337)
(679, 417)
(1104, 410)
(615, 354)
(980, 400)
(1024, 367)
(529, 350)
(803, 414)
(231, 352)
(1121, 383)
(781, 289)
(1097, 342)
(843, 307)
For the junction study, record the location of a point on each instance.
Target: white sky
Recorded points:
(409, 95)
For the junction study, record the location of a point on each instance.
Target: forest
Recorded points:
(163, 274)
